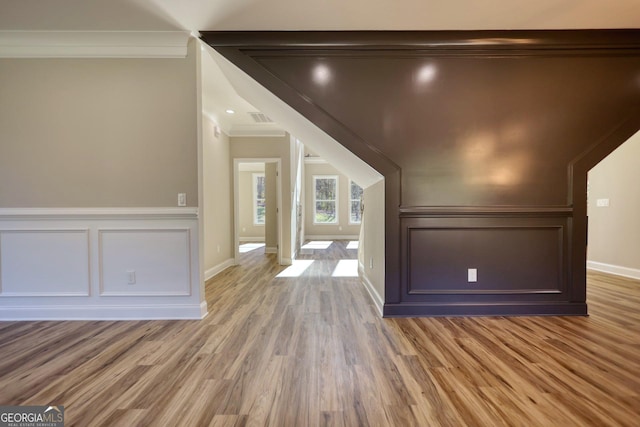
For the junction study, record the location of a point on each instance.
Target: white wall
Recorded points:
(217, 207)
(614, 231)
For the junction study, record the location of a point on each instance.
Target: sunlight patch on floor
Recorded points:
(353, 244)
(318, 244)
(296, 269)
(248, 247)
(346, 268)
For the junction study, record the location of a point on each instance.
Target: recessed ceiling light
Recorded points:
(230, 111)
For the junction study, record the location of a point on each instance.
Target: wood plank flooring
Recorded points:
(311, 351)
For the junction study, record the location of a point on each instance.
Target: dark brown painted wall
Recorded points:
(485, 140)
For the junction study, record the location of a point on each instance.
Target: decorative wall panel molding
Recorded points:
(61, 264)
(93, 44)
(159, 261)
(475, 125)
(46, 263)
(522, 260)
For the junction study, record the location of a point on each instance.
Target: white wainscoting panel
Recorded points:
(73, 263)
(44, 262)
(159, 258)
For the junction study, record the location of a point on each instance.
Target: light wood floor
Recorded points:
(312, 351)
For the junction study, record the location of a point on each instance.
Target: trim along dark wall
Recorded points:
(485, 139)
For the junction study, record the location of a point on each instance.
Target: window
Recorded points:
(355, 203)
(325, 199)
(258, 198)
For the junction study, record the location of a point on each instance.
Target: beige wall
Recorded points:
(342, 227)
(98, 132)
(270, 147)
(614, 231)
(271, 205)
(247, 230)
(217, 206)
(371, 250)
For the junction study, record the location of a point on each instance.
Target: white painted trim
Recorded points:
(315, 161)
(94, 44)
(99, 213)
(251, 239)
(102, 312)
(286, 261)
(217, 269)
(263, 130)
(373, 293)
(204, 311)
(271, 250)
(633, 273)
(331, 237)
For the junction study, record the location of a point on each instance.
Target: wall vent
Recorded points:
(260, 118)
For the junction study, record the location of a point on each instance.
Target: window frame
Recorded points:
(336, 200)
(254, 185)
(354, 200)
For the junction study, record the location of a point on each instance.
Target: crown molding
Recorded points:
(264, 130)
(93, 44)
(314, 160)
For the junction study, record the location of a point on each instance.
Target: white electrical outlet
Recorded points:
(218, 248)
(371, 262)
(602, 203)
(472, 275)
(182, 199)
(131, 277)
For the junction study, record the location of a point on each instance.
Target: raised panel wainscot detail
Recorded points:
(156, 260)
(44, 263)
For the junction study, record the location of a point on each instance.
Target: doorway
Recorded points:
(257, 193)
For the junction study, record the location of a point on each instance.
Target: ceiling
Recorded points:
(166, 15)
(196, 15)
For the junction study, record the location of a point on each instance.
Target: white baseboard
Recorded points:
(251, 239)
(331, 237)
(203, 309)
(633, 273)
(217, 269)
(286, 261)
(373, 293)
(103, 312)
(270, 250)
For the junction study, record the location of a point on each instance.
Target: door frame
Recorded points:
(236, 202)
